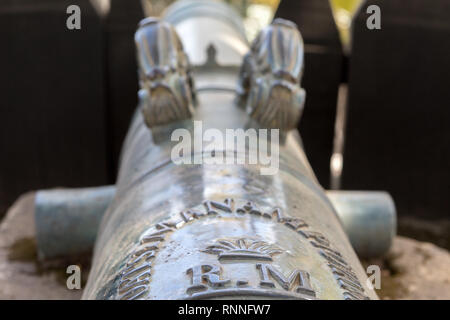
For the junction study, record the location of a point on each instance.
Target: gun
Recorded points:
(215, 197)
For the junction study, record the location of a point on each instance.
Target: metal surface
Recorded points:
(215, 230)
(193, 22)
(269, 82)
(164, 74)
(67, 220)
(368, 218)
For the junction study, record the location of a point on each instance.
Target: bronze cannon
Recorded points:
(215, 197)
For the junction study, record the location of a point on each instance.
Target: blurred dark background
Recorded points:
(378, 105)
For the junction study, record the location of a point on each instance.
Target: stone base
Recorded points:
(414, 270)
(21, 275)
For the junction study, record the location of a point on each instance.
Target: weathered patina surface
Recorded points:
(211, 229)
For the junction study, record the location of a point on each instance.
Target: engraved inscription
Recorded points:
(135, 278)
(206, 282)
(227, 206)
(298, 279)
(249, 250)
(200, 274)
(243, 249)
(206, 279)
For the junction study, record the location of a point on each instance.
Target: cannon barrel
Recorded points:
(197, 217)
